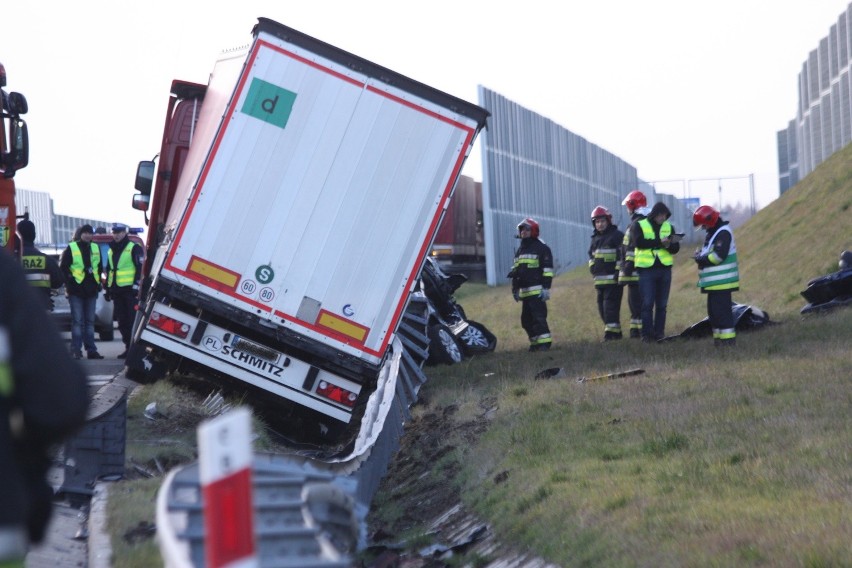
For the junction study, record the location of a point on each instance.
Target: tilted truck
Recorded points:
(293, 204)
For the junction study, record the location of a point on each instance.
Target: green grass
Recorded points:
(711, 457)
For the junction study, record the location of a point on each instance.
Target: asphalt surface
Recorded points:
(69, 542)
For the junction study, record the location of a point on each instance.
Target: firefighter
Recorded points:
(43, 400)
(604, 264)
(637, 208)
(532, 274)
(718, 273)
(42, 271)
(655, 243)
(124, 273)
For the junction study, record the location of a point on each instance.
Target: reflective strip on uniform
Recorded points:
(607, 255)
(728, 333)
(40, 280)
(635, 324)
(612, 328)
(530, 291)
(539, 339)
(7, 383)
(528, 260)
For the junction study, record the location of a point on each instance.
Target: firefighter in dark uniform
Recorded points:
(532, 274)
(123, 274)
(718, 273)
(41, 271)
(637, 208)
(43, 400)
(604, 264)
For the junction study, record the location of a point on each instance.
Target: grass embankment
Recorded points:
(712, 457)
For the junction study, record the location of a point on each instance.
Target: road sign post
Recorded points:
(224, 458)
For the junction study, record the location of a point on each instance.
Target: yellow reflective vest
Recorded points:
(644, 258)
(123, 274)
(78, 271)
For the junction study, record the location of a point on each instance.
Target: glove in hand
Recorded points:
(516, 296)
(545, 295)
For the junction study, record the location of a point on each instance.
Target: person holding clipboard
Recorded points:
(656, 242)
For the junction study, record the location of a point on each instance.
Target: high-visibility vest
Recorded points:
(722, 274)
(125, 273)
(645, 257)
(78, 270)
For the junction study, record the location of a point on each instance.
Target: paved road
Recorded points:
(67, 543)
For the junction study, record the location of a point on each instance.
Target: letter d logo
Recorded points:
(269, 103)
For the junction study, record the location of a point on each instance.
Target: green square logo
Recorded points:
(270, 103)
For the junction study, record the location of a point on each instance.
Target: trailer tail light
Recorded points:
(336, 394)
(169, 325)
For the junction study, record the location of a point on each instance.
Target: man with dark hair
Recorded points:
(655, 243)
(81, 264)
(41, 271)
(43, 400)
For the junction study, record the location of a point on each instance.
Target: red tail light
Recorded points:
(337, 394)
(169, 325)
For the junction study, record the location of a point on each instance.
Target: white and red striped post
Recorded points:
(224, 458)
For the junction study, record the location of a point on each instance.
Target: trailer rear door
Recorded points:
(321, 191)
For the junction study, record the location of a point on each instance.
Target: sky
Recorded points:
(690, 93)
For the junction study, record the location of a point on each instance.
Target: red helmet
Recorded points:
(705, 216)
(601, 211)
(532, 224)
(635, 199)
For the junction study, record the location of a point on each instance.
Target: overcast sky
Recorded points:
(680, 89)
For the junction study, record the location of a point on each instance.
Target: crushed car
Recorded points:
(830, 291)
(452, 336)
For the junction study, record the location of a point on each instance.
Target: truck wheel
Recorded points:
(443, 346)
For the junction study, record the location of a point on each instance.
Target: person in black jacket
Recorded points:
(43, 400)
(604, 264)
(532, 274)
(41, 271)
(81, 264)
(123, 276)
(655, 244)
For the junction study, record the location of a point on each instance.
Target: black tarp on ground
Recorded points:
(746, 318)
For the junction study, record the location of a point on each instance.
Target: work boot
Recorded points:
(635, 334)
(94, 355)
(611, 336)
